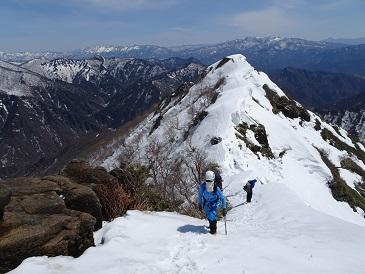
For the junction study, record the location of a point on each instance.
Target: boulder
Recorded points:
(82, 173)
(79, 197)
(46, 216)
(215, 140)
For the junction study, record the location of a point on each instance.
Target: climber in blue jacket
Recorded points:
(211, 198)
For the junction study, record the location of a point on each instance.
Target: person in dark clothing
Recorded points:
(248, 188)
(218, 181)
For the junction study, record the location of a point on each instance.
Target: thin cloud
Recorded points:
(124, 5)
(337, 4)
(263, 22)
(111, 5)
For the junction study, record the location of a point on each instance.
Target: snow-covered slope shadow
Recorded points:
(293, 225)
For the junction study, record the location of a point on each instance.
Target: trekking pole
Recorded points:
(225, 224)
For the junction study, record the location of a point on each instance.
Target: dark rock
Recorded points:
(4, 200)
(82, 173)
(40, 220)
(260, 136)
(317, 126)
(215, 140)
(223, 62)
(79, 197)
(289, 108)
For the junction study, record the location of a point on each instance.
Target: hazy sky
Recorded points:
(68, 24)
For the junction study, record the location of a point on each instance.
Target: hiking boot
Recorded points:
(213, 227)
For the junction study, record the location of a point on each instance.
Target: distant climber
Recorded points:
(248, 188)
(210, 198)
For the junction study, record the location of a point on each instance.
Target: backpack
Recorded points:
(218, 181)
(252, 183)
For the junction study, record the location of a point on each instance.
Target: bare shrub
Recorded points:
(114, 200)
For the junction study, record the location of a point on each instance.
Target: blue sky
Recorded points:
(69, 24)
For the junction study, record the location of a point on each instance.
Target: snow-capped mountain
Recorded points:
(307, 215)
(261, 130)
(40, 118)
(265, 53)
(349, 41)
(134, 51)
(21, 57)
(49, 109)
(125, 69)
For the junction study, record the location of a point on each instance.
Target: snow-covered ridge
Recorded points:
(69, 70)
(243, 100)
(293, 225)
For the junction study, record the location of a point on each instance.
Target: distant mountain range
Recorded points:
(347, 41)
(268, 53)
(52, 104)
(316, 89)
(50, 109)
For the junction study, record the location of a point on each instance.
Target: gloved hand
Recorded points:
(224, 211)
(200, 208)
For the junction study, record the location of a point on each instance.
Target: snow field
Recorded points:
(276, 233)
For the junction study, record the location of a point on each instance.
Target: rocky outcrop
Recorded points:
(49, 216)
(109, 189)
(57, 215)
(82, 173)
(4, 200)
(79, 197)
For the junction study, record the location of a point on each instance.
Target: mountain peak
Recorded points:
(261, 132)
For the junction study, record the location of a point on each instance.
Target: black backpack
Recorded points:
(218, 181)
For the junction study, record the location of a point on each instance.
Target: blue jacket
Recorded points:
(211, 201)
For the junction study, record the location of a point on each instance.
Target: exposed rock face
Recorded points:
(79, 197)
(49, 216)
(4, 200)
(82, 173)
(349, 114)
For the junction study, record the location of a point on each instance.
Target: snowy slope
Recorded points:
(64, 69)
(277, 233)
(18, 81)
(294, 224)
